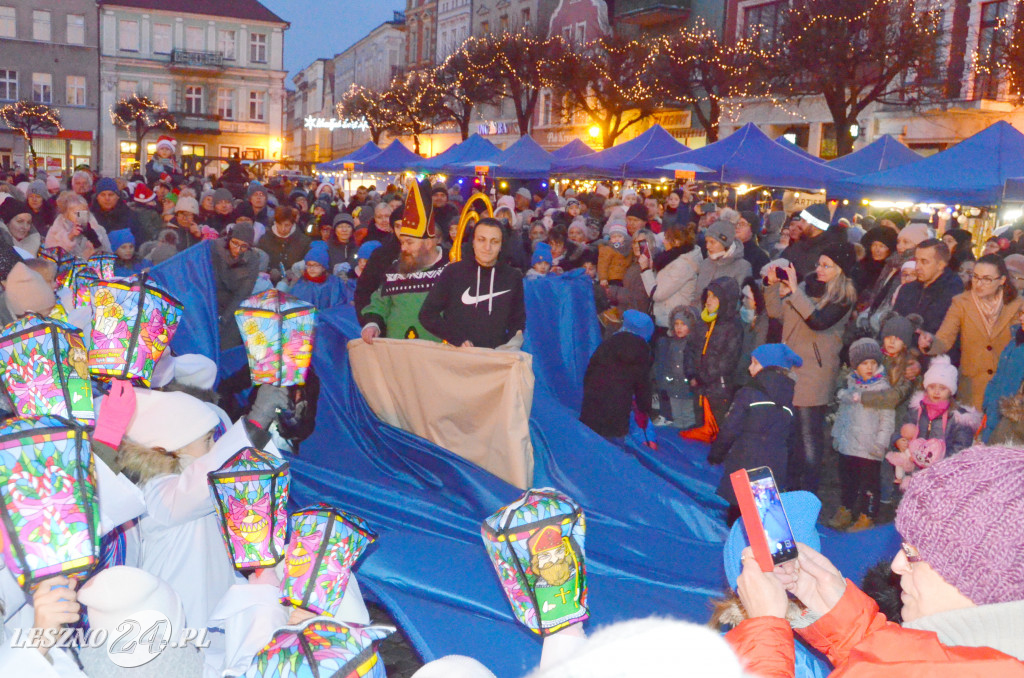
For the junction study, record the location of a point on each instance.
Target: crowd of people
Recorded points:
(781, 337)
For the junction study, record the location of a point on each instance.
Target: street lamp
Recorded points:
(594, 131)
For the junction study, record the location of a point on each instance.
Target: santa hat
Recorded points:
(143, 194)
(166, 142)
(169, 420)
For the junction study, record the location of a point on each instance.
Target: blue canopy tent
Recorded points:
(614, 163)
(574, 149)
(974, 172)
(367, 150)
(1014, 191)
(748, 156)
(883, 153)
(789, 145)
(524, 159)
(475, 150)
(394, 158)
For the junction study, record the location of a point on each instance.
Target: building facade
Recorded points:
(313, 98)
(48, 54)
(217, 66)
(454, 25)
(964, 100)
(420, 33)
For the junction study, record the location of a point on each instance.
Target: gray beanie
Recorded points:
(243, 231)
(898, 326)
(222, 194)
(865, 349)
(722, 231)
(255, 187)
(37, 188)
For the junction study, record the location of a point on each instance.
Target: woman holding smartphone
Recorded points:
(961, 569)
(75, 229)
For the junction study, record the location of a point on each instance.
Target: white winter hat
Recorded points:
(120, 592)
(454, 666)
(169, 420)
(941, 371)
(649, 647)
(195, 370)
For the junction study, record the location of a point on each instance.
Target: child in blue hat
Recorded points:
(127, 262)
(317, 286)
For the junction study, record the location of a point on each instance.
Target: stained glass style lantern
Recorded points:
(277, 330)
(536, 547)
(251, 494)
(322, 647)
(65, 262)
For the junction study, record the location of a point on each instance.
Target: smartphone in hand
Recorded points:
(768, 529)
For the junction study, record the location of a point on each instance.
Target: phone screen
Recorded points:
(645, 249)
(781, 542)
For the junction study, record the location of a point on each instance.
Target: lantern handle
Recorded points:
(467, 213)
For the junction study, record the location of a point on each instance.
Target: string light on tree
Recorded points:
(28, 119)
(140, 115)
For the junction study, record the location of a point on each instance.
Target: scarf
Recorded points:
(707, 316)
(989, 309)
(318, 279)
(873, 379)
(933, 408)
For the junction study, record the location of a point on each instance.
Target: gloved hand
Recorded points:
(270, 400)
(115, 414)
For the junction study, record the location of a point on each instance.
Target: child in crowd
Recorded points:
(715, 348)
(541, 261)
(362, 256)
(316, 286)
(614, 257)
(756, 429)
(861, 436)
(126, 264)
(936, 425)
(670, 370)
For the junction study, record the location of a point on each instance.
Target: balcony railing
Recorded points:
(197, 123)
(183, 58)
(652, 12)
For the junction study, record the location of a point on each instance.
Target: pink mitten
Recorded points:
(115, 414)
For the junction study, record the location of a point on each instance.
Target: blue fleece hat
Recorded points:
(541, 252)
(367, 248)
(777, 355)
(638, 323)
(802, 509)
(120, 237)
(318, 253)
(107, 184)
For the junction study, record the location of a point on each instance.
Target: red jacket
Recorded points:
(860, 643)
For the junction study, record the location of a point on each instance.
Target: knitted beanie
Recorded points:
(25, 291)
(618, 228)
(541, 252)
(107, 184)
(961, 515)
(222, 195)
(638, 323)
(865, 349)
(777, 355)
(842, 255)
(318, 253)
(255, 187)
(941, 371)
(638, 211)
(723, 231)
(900, 327)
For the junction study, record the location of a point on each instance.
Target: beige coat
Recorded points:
(979, 350)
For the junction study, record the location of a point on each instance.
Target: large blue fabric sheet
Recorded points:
(655, 528)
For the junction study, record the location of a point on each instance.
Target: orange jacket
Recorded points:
(860, 643)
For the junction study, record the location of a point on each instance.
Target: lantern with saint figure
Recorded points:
(65, 262)
(536, 547)
(134, 322)
(278, 333)
(251, 494)
(325, 544)
(46, 369)
(322, 647)
(49, 510)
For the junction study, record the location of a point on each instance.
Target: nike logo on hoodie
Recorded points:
(469, 300)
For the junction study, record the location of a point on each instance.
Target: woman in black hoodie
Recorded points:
(715, 347)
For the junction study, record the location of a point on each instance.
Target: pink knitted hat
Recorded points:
(962, 515)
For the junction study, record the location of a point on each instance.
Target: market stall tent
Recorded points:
(614, 162)
(883, 153)
(367, 150)
(475, 150)
(394, 158)
(574, 149)
(524, 159)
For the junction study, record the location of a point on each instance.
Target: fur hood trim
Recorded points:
(140, 464)
(730, 612)
(1012, 407)
(964, 415)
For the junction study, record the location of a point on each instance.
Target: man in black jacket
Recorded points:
(932, 293)
(478, 301)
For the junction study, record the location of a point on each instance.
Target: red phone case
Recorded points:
(752, 519)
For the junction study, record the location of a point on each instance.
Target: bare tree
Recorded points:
(367, 105)
(141, 115)
(414, 103)
(28, 119)
(463, 87)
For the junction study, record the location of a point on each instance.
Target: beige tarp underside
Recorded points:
(474, 402)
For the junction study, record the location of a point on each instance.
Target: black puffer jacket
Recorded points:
(235, 279)
(618, 372)
(756, 430)
(118, 218)
(713, 367)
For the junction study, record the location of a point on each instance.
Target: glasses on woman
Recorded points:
(985, 278)
(911, 554)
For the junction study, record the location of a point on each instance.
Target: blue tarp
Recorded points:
(974, 172)
(614, 162)
(394, 158)
(574, 149)
(475, 150)
(748, 156)
(524, 159)
(367, 150)
(883, 153)
(654, 524)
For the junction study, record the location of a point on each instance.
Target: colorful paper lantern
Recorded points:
(65, 262)
(536, 547)
(49, 511)
(81, 279)
(278, 333)
(46, 369)
(133, 323)
(322, 647)
(251, 494)
(102, 265)
(325, 544)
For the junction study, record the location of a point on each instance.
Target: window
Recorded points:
(414, 53)
(40, 25)
(226, 104)
(194, 100)
(258, 48)
(193, 149)
(8, 85)
(254, 154)
(195, 39)
(546, 108)
(524, 17)
(485, 27)
(8, 22)
(993, 18)
(162, 93)
(162, 40)
(76, 29)
(581, 33)
(75, 90)
(42, 88)
(226, 44)
(257, 110)
(126, 88)
(763, 22)
(128, 35)
(230, 151)
(503, 22)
